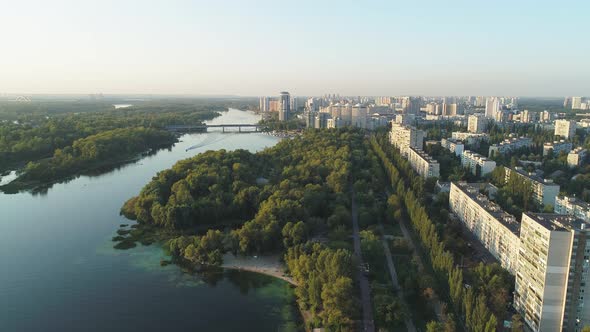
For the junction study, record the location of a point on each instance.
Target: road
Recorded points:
(368, 322)
(394, 280)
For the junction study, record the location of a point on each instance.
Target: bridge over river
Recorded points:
(242, 128)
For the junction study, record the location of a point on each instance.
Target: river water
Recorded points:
(59, 271)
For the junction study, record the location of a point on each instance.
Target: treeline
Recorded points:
(281, 199)
(477, 305)
(39, 130)
(111, 145)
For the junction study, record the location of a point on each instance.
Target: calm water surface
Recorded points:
(59, 272)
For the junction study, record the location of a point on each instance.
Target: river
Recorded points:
(59, 271)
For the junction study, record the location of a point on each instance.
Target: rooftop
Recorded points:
(557, 222)
(472, 190)
(532, 177)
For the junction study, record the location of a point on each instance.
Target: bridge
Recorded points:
(203, 128)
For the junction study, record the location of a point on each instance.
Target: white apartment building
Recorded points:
(552, 273)
(572, 206)
(576, 157)
(477, 164)
(422, 163)
(404, 137)
(509, 144)
(492, 107)
(544, 191)
(453, 145)
(565, 128)
(476, 123)
(497, 230)
(470, 138)
(556, 147)
(576, 103)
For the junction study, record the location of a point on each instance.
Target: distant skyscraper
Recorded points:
(264, 104)
(567, 102)
(476, 123)
(285, 106)
(492, 107)
(576, 103)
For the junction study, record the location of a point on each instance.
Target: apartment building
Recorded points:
(552, 272)
(497, 230)
(472, 139)
(509, 144)
(477, 164)
(453, 145)
(544, 190)
(576, 157)
(422, 163)
(556, 148)
(404, 137)
(565, 128)
(476, 123)
(572, 206)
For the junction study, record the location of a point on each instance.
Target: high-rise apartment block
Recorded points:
(285, 106)
(572, 206)
(404, 137)
(576, 157)
(497, 230)
(576, 103)
(476, 123)
(565, 128)
(543, 191)
(552, 273)
(492, 107)
(453, 145)
(422, 163)
(477, 164)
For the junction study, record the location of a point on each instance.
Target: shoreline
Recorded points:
(268, 265)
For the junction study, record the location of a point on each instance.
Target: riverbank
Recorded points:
(269, 265)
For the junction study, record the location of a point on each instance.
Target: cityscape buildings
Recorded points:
(543, 191)
(565, 128)
(477, 164)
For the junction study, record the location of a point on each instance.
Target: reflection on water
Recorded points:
(60, 273)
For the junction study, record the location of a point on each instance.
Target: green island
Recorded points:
(48, 141)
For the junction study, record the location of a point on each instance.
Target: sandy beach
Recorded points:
(269, 265)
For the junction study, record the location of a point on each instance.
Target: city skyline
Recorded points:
(250, 49)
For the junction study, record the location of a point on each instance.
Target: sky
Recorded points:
(252, 48)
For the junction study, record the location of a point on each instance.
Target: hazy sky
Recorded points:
(515, 47)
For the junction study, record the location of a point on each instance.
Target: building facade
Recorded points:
(544, 191)
(453, 145)
(556, 148)
(508, 145)
(285, 106)
(572, 206)
(565, 128)
(497, 230)
(576, 157)
(404, 137)
(477, 164)
(476, 123)
(422, 163)
(552, 273)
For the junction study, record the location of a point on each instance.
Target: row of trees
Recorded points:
(472, 303)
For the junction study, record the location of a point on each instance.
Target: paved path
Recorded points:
(368, 323)
(394, 280)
